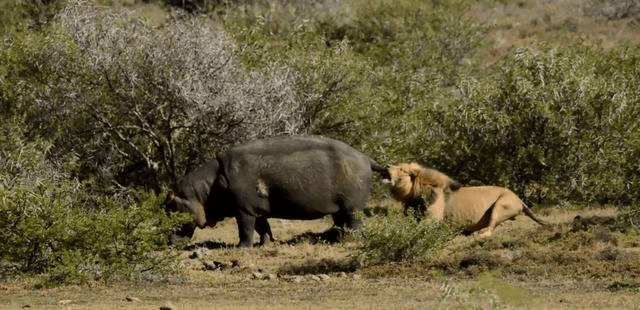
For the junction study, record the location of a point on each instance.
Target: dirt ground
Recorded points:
(510, 270)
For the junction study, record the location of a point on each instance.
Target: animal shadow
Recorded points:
(322, 266)
(330, 236)
(376, 211)
(209, 245)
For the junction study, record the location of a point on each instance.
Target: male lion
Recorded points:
(474, 208)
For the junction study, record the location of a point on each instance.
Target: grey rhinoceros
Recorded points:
(289, 177)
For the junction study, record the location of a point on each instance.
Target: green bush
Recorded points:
(397, 238)
(54, 230)
(371, 69)
(18, 14)
(99, 102)
(557, 124)
(401, 82)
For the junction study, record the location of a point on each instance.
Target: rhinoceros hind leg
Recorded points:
(264, 230)
(346, 219)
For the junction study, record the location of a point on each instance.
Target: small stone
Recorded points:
(218, 266)
(295, 279)
(208, 266)
(132, 299)
(257, 276)
(168, 306)
(197, 254)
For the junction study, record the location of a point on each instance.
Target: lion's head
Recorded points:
(411, 181)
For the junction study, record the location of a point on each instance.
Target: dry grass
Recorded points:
(552, 23)
(570, 264)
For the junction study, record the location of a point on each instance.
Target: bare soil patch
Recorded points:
(583, 263)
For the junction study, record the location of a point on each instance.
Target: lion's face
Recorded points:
(411, 180)
(400, 181)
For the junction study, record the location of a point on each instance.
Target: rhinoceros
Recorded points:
(289, 177)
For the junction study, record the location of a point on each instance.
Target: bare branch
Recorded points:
(150, 163)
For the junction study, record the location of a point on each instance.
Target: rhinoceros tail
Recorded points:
(381, 170)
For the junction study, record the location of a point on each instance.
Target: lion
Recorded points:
(473, 208)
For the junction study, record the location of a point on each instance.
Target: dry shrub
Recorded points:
(164, 99)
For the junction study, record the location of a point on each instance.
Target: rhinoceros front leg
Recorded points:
(246, 226)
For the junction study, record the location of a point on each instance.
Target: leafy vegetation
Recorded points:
(558, 121)
(101, 110)
(396, 238)
(54, 227)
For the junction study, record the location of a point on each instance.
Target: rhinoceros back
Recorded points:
(296, 177)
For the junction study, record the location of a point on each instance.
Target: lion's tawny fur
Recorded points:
(412, 180)
(475, 208)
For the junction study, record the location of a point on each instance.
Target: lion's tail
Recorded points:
(531, 215)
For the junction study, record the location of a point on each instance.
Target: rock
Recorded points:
(257, 276)
(294, 279)
(208, 266)
(132, 299)
(197, 254)
(168, 306)
(235, 263)
(218, 266)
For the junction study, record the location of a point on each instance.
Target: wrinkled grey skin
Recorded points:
(295, 177)
(191, 195)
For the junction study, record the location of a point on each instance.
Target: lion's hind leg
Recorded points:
(503, 209)
(480, 224)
